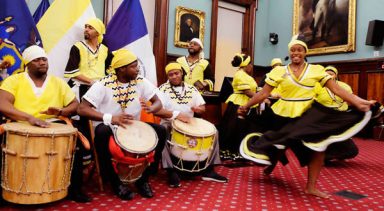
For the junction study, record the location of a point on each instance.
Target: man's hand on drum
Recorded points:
(183, 117)
(122, 119)
(37, 122)
(198, 109)
(52, 111)
(147, 108)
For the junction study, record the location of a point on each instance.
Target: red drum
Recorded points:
(132, 150)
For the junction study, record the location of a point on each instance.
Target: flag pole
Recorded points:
(105, 12)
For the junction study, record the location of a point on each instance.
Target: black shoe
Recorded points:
(79, 196)
(123, 192)
(173, 179)
(144, 190)
(214, 177)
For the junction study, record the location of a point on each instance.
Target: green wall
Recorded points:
(204, 5)
(278, 19)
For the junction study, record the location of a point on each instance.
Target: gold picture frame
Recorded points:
(328, 26)
(189, 24)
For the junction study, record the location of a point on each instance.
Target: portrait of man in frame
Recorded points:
(189, 25)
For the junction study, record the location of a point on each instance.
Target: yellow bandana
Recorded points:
(173, 66)
(122, 57)
(98, 25)
(276, 61)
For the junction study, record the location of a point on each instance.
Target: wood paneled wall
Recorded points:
(365, 76)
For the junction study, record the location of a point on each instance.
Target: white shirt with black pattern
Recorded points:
(180, 98)
(109, 96)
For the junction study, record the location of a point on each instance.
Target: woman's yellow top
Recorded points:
(296, 92)
(241, 82)
(56, 94)
(325, 97)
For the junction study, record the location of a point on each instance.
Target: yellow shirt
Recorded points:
(296, 93)
(56, 94)
(325, 97)
(195, 72)
(92, 65)
(241, 82)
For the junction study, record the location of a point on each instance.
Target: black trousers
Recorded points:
(102, 135)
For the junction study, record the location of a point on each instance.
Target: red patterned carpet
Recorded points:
(248, 189)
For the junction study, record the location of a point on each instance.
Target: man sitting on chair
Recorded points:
(181, 101)
(35, 97)
(115, 100)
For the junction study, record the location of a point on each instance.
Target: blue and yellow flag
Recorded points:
(17, 31)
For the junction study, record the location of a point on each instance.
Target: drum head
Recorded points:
(196, 127)
(138, 137)
(26, 128)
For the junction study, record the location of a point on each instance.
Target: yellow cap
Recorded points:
(98, 25)
(122, 57)
(173, 66)
(276, 61)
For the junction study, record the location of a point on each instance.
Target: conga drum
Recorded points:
(37, 162)
(191, 144)
(132, 150)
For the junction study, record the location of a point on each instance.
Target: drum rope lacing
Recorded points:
(196, 168)
(5, 184)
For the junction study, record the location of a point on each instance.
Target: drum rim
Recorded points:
(134, 151)
(191, 134)
(10, 128)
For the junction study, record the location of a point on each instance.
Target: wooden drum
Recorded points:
(37, 162)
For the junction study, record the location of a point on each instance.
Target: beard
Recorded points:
(192, 52)
(86, 36)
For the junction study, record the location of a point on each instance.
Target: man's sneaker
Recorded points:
(214, 177)
(253, 154)
(173, 179)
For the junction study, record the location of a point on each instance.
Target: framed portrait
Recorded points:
(189, 25)
(328, 26)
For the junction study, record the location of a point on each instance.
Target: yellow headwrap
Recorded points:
(244, 62)
(295, 41)
(173, 66)
(98, 25)
(331, 68)
(122, 57)
(276, 61)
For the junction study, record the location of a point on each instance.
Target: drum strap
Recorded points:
(82, 138)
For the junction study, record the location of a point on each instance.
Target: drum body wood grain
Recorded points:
(37, 162)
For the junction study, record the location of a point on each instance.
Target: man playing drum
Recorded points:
(181, 101)
(35, 97)
(113, 101)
